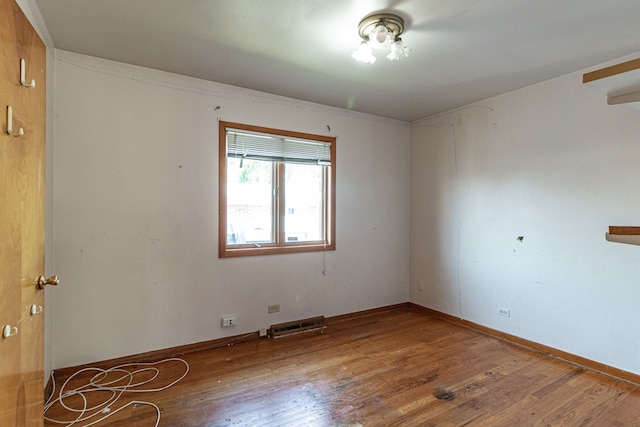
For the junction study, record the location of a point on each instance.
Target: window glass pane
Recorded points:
(277, 191)
(304, 207)
(249, 201)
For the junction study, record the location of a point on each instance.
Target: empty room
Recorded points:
(319, 213)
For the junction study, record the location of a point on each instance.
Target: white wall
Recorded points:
(135, 224)
(552, 163)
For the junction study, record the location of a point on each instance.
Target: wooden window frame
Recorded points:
(280, 246)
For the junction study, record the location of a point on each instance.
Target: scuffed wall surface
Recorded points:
(136, 187)
(510, 202)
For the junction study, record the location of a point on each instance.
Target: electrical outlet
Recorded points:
(274, 308)
(263, 333)
(504, 312)
(421, 285)
(228, 321)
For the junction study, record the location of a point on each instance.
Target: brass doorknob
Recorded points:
(42, 282)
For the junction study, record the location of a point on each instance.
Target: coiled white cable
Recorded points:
(114, 386)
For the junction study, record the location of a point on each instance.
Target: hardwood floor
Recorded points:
(396, 368)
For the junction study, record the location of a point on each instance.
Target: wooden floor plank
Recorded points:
(394, 368)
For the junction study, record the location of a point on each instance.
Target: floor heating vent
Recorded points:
(298, 326)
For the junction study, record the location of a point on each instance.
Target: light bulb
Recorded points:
(380, 37)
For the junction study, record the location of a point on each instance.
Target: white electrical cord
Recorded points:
(103, 409)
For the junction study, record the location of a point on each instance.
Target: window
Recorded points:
(277, 191)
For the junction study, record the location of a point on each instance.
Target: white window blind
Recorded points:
(260, 146)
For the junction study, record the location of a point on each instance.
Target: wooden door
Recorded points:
(22, 160)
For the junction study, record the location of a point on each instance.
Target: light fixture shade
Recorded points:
(364, 54)
(398, 50)
(381, 31)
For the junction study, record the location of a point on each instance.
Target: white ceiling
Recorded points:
(462, 50)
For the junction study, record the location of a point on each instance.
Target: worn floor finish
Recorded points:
(398, 368)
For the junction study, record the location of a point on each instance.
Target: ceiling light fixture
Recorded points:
(380, 31)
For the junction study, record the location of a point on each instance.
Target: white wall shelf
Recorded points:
(621, 82)
(623, 234)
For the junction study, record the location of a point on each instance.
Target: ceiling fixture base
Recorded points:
(393, 23)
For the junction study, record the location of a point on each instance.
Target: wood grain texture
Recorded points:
(393, 368)
(613, 70)
(624, 230)
(64, 373)
(569, 357)
(22, 162)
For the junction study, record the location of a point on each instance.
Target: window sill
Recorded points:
(273, 250)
